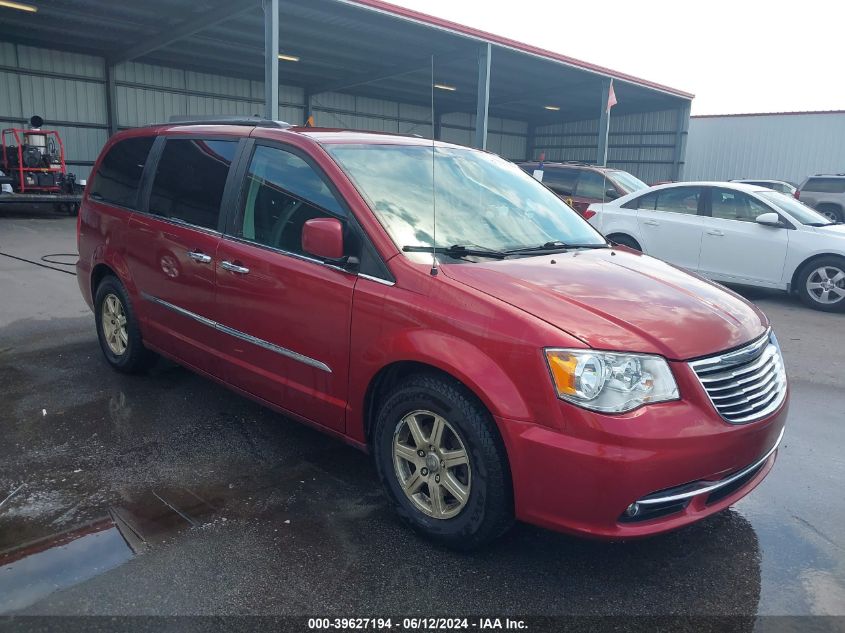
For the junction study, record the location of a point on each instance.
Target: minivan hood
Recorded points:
(615, 299)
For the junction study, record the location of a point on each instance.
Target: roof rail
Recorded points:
(216, 119)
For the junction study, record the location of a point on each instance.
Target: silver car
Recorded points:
(826, 194)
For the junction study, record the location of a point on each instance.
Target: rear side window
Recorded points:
(281, 193)
(189, 180)
(674, 200)
(592, 184)
(561, 181)
(825, 185)
(119, 175)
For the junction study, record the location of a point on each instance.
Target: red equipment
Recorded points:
(35, 160)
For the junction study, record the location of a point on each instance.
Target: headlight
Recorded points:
(609, 382)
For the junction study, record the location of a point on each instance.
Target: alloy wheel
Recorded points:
(114, 325)
(432, 464)
(826, 285)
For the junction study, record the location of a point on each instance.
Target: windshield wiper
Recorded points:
(553, 247)
(457, 250)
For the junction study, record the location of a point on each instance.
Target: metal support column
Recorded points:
(307, 112)
(483, 103)
(531, 141)
(271, 59)
(681, 133)
(111, 100)
(604, 124)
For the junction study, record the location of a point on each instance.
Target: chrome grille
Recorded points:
(745, 384)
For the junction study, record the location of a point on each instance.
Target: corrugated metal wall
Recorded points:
(66, 89)
(505, 137)
(152, 94)
(784, 147)
(643, 144)
(69, 91)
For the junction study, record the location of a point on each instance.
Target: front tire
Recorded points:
(821, 284)
(442, 462)
(117, 329)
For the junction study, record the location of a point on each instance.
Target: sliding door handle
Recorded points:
(235, 268)
(715, 233)
(651, 222)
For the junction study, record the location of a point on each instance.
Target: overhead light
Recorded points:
(445, 87)
(19, 6)
(552, 108)
(284, 58)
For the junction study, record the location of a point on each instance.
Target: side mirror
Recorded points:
(769, 219)
(323, 238)
(611, 193)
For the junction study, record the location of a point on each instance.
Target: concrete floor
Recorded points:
(167, 494)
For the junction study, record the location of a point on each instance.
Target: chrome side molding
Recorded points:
(704, 487)
(307, 360)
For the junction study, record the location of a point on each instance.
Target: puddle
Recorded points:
(35, 569)
(42, 555)
(40, 568)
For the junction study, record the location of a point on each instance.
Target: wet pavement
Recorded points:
(168, 494)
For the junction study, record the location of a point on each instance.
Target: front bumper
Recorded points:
(679, 460)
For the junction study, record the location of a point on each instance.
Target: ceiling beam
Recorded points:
(381, 74)
(186, 27)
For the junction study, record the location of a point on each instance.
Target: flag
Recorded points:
(611, 97)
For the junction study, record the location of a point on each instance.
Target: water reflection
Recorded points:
(38, 569)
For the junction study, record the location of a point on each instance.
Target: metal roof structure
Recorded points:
(363, 47)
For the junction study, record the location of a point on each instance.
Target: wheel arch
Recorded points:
(98, 273)
(793, 284)
(393, 373)
(625, 234)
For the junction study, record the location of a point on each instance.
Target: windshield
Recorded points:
(481, 200)
(795, 208)
(627, 182)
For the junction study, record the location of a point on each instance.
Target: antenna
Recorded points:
(433, 188)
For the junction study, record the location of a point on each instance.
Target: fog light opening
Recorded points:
(632, 510)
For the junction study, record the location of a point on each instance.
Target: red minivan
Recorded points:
(524, 370)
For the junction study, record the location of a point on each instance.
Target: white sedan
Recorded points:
(734, 233)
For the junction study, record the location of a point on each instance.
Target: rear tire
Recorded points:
(117, 328)
(625, 240)
(832, 212)
(482, 509)
(821, 284)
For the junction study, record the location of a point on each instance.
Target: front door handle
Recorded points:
(651, 222)
(200, 257)
(241, 270)
(715, 233)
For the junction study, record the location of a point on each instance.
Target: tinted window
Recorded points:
(678, 200)
(735, 205)
(674, 200)
(281, 193)
(645, 202)
(825, 185)
(592, 184)
(190, 178)
(119, 174)
(560, 180)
